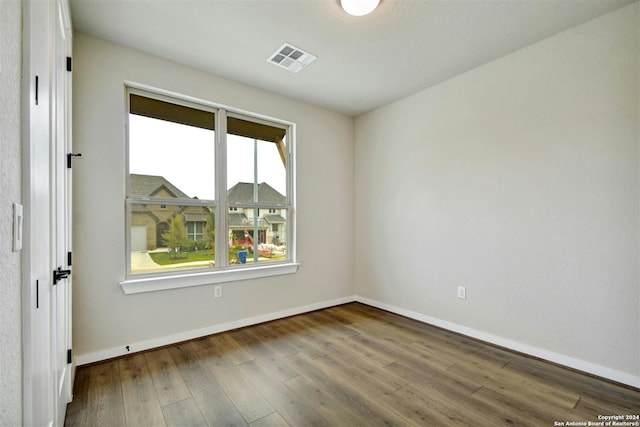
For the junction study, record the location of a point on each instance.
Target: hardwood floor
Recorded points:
(351, 365)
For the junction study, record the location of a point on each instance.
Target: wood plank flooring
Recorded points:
(351, 365)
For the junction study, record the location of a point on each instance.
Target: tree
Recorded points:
(176, 236)
(210, 232)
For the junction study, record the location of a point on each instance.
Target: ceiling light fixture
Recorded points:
(359, 7)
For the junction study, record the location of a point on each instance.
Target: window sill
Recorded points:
(159, 283)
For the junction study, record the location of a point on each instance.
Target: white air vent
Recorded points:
(291, 58)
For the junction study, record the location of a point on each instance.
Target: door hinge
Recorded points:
(69, 259)
(70, 157)
(69, 356)
(60, 274)
(69, 63)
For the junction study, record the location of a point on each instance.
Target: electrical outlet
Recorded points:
(217, 291)
(462, 292)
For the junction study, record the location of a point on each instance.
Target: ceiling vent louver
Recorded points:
(291, 58)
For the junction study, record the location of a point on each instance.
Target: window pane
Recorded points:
(256, 170)
(175, 237)
(257, 235)
(168, 159)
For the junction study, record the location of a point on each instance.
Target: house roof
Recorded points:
(242, 192)
(143, 209)
(237, 220)
(275, 219)
(195, 217)
(150, 185)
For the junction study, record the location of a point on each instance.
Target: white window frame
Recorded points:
(195, 235)
(223, 272)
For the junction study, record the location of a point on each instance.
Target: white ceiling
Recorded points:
(363, 62)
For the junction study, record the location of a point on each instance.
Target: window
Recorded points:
(183, 174)
(194, 230)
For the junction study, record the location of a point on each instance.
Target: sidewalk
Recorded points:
(141, 262)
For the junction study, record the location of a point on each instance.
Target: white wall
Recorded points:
(518, 180)
(103, 316)
(10, 190)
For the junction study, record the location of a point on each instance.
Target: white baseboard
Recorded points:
(109, 353)
(570, 362)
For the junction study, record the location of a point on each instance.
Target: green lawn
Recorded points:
(164, 258)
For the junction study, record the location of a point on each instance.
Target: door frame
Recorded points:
(61, 209)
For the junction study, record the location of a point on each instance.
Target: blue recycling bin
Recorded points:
(242, 256)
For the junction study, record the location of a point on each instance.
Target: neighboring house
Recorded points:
(271, 223)
(150, 221)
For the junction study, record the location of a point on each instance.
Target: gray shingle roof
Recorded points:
(194, 217)
(274, 219)
(237, 219)
(242, 192)
(143, 209)
(149, 185)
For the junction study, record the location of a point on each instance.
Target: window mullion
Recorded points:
(291, 190)
(222, 216)
(128, 230)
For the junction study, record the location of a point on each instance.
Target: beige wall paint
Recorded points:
(10, 192)
(104, 317)
(518, 180)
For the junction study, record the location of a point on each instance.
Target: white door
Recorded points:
(62, 258)
(36, 253)
(46, 197)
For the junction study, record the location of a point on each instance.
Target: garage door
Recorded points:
(138, 238)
